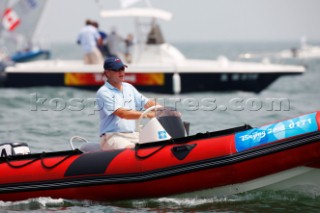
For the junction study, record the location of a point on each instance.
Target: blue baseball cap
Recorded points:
(113, 63)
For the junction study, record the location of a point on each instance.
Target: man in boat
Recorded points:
(89, 38)
(120, 105)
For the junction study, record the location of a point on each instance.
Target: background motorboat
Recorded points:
(155, 65)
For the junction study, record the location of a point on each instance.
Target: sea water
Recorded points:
(48, 127)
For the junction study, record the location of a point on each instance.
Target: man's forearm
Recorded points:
(131, 114)
(127, 114)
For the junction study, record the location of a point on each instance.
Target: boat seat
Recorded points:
(90, 147)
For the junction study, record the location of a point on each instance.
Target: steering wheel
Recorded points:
(144, 113)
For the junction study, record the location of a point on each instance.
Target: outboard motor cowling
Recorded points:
(8, 149)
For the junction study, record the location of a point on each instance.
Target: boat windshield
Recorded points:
(171, 121)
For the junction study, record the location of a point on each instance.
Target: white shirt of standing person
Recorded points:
(88, 38)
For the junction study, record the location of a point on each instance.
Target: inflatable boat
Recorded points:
(231, 161)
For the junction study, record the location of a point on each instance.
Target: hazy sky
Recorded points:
(195, 20)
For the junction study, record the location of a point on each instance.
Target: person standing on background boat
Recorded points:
(128, 48)
(89, 38)
(120, 105)
(103, 47)
(114, 42)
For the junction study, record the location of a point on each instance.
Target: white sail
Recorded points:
(29, 13)
(19, 23)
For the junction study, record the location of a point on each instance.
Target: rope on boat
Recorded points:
(54, 165)
(41, 157)
(152, 153)
(22, 165)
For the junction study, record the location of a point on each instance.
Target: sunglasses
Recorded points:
(119, 70)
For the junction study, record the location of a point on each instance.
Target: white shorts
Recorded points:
(94, 57)
(117, 140)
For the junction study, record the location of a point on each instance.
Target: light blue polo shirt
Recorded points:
(110, 99)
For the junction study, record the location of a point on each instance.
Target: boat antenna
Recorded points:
(98, 3)
(148, 3)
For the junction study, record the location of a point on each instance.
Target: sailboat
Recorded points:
(19, 23)
(156, 65)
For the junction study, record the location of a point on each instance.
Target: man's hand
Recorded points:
(150, 114)
(151, 103)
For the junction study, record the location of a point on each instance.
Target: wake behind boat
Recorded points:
(275, 156)
(156, 66)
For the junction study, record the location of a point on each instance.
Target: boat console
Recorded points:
(166, 125)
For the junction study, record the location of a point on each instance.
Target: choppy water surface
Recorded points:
(46, 126)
